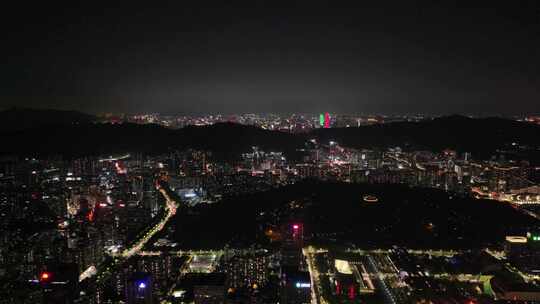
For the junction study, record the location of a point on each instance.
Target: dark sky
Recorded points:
(258, 56)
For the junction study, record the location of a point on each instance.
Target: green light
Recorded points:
(321, 119)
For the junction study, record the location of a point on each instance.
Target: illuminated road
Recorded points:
(180, 252)
(316, 291)
(379, 281)
(111, 158)
(89, 272)
(182, 272)
(103, 271)
(170, 208)
(439, 253)
(400, 160)
(530, 213)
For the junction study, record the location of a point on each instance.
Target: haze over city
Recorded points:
(257, 56)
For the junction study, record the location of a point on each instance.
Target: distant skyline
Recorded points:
(307, 56)
(316, 115)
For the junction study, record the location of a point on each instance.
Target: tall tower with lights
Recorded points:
(326, 120)
(139, 289)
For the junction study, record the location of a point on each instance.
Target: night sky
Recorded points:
(192, 57)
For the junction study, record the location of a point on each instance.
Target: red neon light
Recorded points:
(352, 293)
(45, 276)
(295, 227)
(326, 120)
(91, 215)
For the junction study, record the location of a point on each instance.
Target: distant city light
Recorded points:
(302, 285)
(142, 285)
(295, 226)
(326, 120)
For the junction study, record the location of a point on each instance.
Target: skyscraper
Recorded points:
(139, 289)
(326, 120)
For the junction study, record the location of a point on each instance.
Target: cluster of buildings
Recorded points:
(56, 212)
(294, 123)
(203, 179)
(62, 220)
(249, 275)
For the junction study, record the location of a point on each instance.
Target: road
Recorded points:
(179, 252)
(170, 208)
(316, 292)
(379, 281)
(181, 274)
(103, 270)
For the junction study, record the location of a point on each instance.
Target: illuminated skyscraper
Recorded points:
(298, 233)
(326, 120)
(247, 270)
(139, 289)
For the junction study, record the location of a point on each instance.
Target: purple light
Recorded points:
(295, 227)
(142, 285)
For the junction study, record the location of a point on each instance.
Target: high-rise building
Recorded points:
(139, 289)
(326, 120)
(247, 270)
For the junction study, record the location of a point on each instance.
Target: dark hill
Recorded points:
(73, 136)
(16, 119)
(229, 139)
(481, 136)
(411, 217)
(226, 140)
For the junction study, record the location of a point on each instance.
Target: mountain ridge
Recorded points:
(18, 119)
(480, 136)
